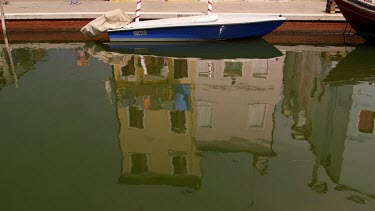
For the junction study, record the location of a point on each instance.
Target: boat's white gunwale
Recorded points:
(200, 19)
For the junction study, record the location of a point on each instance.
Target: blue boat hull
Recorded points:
(197, 33)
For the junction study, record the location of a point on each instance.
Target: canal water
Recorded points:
(208, 126)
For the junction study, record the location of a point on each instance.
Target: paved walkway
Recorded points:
(292, 10)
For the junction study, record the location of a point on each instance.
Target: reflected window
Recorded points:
(233, 69)
(136, 117)
(179, 165)
(257, 113)
(366, 121)
(207, 73)
(154, 65)
(178, 121)
(180, 68)
(205, 110)
(128, 69)
(139, 163)
(260, 69)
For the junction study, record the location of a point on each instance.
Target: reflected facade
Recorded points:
(156, 123)
(24, 60)
(336, 120)
(170, 109)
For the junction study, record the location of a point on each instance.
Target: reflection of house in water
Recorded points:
(342, 136)
(156, 124)
(24, 60)
(304, 72)
(360, 141)
(235, 102)
(329, 123)
(157, 148)
(336, 120)
(25, 56)
(362, 113)
(170, 107)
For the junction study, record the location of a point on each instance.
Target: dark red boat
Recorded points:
(360, 14)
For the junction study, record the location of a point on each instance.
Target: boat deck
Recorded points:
(201, 20)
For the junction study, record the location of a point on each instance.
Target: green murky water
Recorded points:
(217, 126)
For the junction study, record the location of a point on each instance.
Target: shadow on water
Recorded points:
(245, 48)
(249, 48)
(356, 67)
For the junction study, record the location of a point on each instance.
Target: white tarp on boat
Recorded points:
(110, 20)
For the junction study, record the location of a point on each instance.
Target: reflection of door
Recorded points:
(135, 117)
(180, 68)
(260, 69)
(366, 121)
(139, 163)
(178, 121)
(179, 165)
(205, 110)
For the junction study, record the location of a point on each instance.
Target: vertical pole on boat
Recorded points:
(138, 11)
(209, 9)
